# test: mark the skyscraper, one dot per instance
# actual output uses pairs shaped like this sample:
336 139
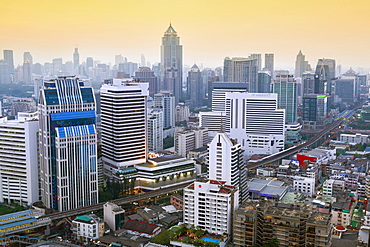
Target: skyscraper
259 60
264 82
67 144
226 163
254 121
27 57
239 69
155 131
171 63
145 74
166 101
8 57
18 159
285 87
308 81
314 110
269 63
324 75
27 75
76 59
4 72
124 124
89 63
301 65
195 86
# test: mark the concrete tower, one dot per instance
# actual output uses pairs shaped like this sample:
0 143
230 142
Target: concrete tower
124 124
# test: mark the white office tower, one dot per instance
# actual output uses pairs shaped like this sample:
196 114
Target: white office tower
226 163
155 131
219 95
166 101
214 121
254 121
67 144
210 206
124 124
19 181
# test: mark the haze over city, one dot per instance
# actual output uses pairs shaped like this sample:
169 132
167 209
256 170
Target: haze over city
209 30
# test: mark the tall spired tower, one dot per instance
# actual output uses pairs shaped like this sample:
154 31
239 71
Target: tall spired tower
171 63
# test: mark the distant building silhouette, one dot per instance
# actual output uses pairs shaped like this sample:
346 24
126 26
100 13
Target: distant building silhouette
171 63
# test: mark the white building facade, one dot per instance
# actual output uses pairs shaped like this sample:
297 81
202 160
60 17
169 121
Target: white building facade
124 124
210 205
18 159
226 163
188 140
155 131
254 121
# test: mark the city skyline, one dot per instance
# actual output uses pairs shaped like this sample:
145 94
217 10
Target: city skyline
209 31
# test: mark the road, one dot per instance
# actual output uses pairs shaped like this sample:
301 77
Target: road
121 201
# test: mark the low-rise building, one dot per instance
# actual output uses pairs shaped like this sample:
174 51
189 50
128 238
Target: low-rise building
141 228
114 215
354 138
177 200
258 188
332 187
304 185
87 227
164 171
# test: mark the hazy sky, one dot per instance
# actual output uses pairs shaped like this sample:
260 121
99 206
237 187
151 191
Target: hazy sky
209 29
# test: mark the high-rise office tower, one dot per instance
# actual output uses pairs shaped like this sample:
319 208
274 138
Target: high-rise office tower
145 74
226 163
239 69
219 90
124 124
76 59
155 130
143 62
345 90
301 65
254 121
128 67
195 86
285 87
57 66
259 60
314 110
8 57
67 144
324 75
19 181
308 81
89 63
27 57
4 72
264 82
166 101
118 59
27 75
171 63
269 63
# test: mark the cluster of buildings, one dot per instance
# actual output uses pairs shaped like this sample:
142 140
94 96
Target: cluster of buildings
78 139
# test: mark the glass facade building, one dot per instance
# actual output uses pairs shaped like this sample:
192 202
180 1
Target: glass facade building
67 144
